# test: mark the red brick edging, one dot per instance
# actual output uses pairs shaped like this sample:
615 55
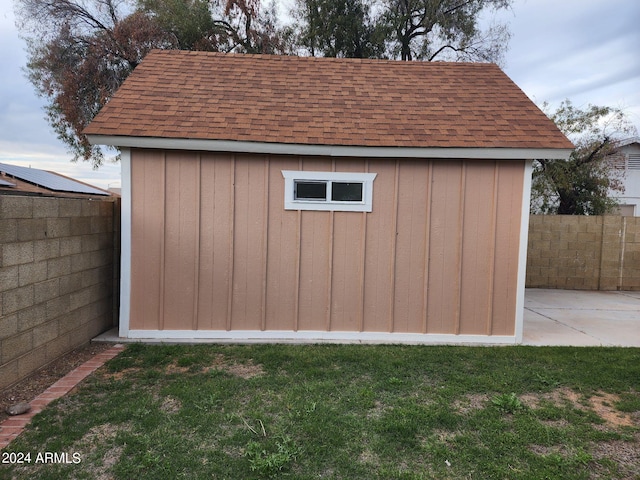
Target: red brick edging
11 427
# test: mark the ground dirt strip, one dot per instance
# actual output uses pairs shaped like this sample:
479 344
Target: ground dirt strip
11 427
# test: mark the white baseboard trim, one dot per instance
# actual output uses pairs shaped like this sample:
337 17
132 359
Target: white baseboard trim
289 336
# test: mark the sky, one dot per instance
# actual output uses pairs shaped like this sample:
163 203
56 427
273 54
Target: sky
586 51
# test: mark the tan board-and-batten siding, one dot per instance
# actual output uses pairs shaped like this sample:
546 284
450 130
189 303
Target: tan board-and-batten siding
213 249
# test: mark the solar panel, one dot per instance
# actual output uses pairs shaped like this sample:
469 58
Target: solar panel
49 180
4 183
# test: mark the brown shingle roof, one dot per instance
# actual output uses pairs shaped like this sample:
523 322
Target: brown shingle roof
324 101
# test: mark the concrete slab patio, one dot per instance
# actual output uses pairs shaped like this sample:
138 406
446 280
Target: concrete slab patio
581 318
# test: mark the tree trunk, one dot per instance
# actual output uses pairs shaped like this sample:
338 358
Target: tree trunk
406 49
567 205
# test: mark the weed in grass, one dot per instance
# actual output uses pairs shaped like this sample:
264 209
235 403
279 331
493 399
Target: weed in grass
271 459
207 403
546 381
508 403
581 458
628 402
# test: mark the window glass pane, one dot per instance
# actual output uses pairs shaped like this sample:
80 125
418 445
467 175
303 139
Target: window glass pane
310 190
346 192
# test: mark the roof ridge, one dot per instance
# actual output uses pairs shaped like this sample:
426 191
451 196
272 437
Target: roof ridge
303 58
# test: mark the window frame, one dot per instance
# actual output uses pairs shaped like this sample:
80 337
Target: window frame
291 203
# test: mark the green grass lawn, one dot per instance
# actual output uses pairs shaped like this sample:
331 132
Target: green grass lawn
345 412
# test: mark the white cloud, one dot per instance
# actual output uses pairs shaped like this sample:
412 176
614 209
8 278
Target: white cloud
583 50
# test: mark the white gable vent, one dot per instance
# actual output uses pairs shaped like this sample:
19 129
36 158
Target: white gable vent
634 161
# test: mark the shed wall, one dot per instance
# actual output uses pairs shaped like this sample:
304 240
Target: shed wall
213 248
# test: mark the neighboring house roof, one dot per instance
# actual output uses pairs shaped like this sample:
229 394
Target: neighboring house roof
16 179
323 101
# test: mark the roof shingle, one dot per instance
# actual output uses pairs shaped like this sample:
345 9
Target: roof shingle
324 101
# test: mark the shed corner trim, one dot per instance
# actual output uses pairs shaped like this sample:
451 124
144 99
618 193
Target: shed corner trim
125 244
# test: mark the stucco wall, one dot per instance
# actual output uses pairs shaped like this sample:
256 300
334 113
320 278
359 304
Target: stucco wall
214 249
56 278
584 252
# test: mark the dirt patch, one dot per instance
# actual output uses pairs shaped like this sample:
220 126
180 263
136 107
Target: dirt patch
243 370
530 400
173 367
170 405
101 436
109 459
470 403
377 411
603 405
625 454
544 450
220 363
32 386
558 396
119 375
233 451
368 457
572 397
443 436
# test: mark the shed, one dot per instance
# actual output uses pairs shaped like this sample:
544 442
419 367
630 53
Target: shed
280 198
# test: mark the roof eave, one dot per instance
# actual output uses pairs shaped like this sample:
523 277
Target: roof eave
330 150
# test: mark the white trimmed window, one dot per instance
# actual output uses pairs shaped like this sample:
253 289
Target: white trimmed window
337 191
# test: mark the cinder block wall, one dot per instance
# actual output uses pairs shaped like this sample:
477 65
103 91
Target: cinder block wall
56 278
584 252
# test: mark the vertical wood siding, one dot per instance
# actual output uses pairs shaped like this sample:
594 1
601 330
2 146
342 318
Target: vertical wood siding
147 240
214 249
